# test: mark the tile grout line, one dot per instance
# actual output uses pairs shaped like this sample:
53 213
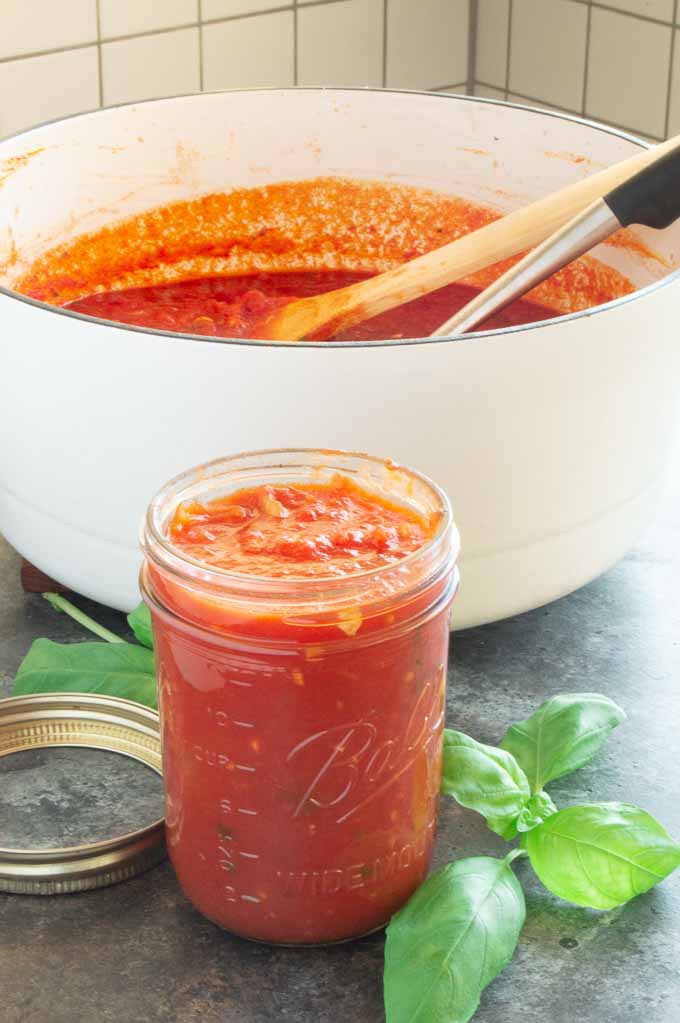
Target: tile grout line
384 45
163 31
96 42
473 19
624 14
589 19
199 14
99 53
671 60
508 49
570 110
296 74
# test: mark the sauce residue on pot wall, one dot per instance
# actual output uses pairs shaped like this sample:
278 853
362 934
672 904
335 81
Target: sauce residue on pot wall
324 223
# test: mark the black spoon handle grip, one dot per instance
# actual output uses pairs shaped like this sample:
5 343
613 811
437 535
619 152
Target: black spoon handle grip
651 197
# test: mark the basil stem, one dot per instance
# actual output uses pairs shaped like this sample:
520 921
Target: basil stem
62 604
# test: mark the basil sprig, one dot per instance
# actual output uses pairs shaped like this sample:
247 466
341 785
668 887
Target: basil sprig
462 926
113 668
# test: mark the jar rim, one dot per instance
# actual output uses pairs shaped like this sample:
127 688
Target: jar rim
156 545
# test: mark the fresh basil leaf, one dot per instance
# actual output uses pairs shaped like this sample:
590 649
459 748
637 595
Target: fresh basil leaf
562 735
139 621
117 669
538 809
601 854
450 940
506 827
484 778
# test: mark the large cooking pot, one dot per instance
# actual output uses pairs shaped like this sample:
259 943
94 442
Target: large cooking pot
551 439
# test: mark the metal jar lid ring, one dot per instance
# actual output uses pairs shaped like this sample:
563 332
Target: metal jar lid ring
95 722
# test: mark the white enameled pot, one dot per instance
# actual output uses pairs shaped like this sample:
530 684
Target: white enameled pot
552 440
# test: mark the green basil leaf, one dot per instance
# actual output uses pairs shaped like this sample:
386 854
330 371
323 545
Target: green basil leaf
450 940
506 827
116 669
538 809
601 854
563 734
139 621
485 779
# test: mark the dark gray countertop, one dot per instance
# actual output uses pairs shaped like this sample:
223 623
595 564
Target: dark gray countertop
138 952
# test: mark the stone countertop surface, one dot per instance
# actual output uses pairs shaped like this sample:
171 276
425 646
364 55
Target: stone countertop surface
138 951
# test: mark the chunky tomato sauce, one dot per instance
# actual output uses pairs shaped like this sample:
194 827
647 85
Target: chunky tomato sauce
302 755
324 529
216 264
238 306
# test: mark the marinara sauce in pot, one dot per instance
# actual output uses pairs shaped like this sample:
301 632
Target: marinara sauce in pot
300 604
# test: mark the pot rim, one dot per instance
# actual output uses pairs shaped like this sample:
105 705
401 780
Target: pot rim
483 335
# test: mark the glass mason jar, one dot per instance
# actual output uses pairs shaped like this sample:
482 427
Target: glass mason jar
301 718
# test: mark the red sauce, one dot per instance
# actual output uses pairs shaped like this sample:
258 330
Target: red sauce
236 306
302 755
329 529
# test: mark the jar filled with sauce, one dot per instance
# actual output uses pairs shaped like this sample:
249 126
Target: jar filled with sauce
300 603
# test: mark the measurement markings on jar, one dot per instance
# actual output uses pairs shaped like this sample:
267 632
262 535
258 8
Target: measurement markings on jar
249 856
232 894
227 807
244 767
221 718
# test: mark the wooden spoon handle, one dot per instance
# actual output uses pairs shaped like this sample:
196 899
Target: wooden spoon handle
322 315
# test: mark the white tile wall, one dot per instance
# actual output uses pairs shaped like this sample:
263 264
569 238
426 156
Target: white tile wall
491 47
609 59
526 102
662 9
129 17
341 43
606 59
628 71
164 64
212 10
488 92
674 111
29 26
427 43
249 52
548 50
44 88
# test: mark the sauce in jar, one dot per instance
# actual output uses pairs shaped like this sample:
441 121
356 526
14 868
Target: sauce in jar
300 604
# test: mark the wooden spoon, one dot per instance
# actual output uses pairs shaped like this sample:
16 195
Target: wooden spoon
651 197
321 316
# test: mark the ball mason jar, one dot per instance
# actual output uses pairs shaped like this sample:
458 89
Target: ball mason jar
301 718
